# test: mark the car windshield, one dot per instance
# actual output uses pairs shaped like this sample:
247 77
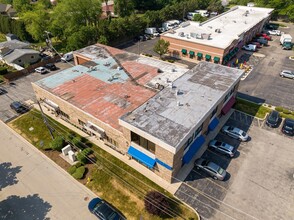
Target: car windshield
290 128
218 143
220 170
103 209
273 116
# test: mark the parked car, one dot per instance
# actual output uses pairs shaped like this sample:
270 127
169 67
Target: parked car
274 32
222 148
273 119
103 210
249 47
258 45
288 127
211 168
51 66
287 73
262 41
287 46
235 132
214 13
41 70
2 91
67 57
18 107
148 37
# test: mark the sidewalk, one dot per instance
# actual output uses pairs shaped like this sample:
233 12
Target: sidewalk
170 187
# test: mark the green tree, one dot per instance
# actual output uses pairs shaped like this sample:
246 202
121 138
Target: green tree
124 7
36 21
21 5
198 17
84 37
215 5
161 47
57 143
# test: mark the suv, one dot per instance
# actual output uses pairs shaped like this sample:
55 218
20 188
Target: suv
222 148
50 66
288 127
19 107
273 119
236 133
211 168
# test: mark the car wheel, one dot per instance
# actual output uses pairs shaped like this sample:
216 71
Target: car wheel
214 177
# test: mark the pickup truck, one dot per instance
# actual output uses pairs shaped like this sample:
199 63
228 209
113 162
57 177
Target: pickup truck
287 46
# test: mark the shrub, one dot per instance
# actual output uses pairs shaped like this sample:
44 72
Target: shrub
279 109
79 174
156 203
72 170
171 61
77 141
87 151
286 111
71 135
57 143
82 158
78 164
3 70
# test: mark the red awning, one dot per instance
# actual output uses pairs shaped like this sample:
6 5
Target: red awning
229 105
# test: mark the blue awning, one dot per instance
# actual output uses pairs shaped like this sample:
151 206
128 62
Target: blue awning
141 157
213 124
164 164
193 149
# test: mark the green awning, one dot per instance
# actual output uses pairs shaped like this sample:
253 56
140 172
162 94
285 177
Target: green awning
216 59
192 53
199 54
184 51
207 57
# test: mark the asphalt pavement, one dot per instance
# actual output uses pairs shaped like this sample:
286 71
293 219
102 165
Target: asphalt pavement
34 187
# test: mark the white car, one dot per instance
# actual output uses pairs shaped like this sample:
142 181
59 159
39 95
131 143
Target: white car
41 70
287 73
274 32
249 47
235 132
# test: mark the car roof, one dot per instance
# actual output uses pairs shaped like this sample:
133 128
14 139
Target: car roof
289 121
213 166
16 104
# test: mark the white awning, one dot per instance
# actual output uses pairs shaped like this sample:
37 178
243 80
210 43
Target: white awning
51 104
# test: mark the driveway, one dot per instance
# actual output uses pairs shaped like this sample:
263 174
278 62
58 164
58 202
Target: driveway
21 90
260 183
34 187
264 81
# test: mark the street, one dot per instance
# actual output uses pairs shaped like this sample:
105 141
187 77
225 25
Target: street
34 187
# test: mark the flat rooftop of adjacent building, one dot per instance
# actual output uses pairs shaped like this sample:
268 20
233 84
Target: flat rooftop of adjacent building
111 84
173 112
222 30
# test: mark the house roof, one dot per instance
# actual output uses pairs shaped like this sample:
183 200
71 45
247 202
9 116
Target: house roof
4 7
15 44
18 53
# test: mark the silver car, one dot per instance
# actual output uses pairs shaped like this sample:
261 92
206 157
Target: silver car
287 73
222 148
211 168
236 133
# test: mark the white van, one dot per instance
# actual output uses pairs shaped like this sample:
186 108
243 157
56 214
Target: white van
67 57
249 47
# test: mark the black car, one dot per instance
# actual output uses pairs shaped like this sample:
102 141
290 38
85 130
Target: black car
104 210
273 119
51 66
288 127
19 107
2 91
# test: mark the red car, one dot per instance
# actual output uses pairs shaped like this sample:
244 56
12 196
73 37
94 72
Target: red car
265 36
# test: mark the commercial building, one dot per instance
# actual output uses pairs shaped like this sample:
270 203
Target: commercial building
152 111
219 38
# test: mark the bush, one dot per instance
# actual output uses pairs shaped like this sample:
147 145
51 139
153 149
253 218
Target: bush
72 170
171 61
156 203
87 151
77 141
79 174
78 164
279 109
57 143
286 111
71 135
3 70
82 158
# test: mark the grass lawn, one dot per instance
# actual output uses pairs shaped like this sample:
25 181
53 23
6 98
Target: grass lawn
251 108
109 178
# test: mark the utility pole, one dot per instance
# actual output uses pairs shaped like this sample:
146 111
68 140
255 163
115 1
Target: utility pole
45 120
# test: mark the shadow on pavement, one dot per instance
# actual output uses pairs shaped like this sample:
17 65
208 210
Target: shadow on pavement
30 207
250 98
8 174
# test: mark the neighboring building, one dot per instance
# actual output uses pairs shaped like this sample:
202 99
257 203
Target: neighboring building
22 57
108 8
18 52
156 112
7 9
219 38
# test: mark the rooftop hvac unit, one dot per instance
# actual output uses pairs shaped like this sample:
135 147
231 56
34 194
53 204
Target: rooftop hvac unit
181 34
217 30
193 34
199 36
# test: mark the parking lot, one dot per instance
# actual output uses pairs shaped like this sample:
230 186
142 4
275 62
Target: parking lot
21 90
264 80
260 181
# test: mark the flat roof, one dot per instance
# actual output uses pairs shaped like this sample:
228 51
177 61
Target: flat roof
111 84
230 24
171 114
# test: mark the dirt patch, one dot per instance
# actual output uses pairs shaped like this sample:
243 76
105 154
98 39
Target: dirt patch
54 155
